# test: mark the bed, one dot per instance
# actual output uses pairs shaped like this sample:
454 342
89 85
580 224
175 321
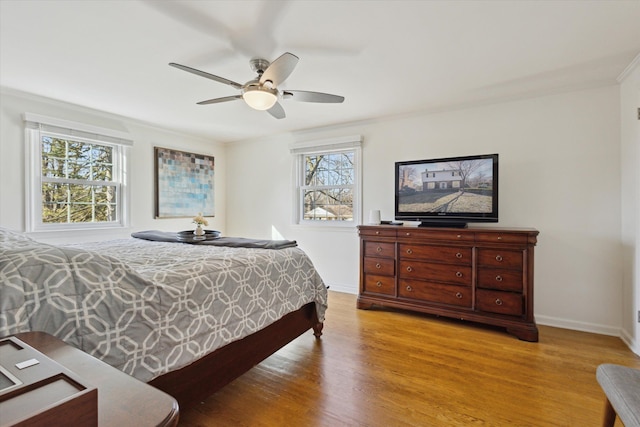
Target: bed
186 318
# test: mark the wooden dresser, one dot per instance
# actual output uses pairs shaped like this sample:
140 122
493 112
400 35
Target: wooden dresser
479 274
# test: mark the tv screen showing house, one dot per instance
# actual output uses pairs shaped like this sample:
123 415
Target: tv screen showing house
447 187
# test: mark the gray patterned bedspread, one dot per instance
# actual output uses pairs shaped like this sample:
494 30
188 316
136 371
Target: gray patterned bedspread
148 308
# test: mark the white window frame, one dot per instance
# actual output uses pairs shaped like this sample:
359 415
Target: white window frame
327 146
36 126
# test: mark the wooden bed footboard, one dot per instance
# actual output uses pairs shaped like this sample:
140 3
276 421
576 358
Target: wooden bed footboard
205 376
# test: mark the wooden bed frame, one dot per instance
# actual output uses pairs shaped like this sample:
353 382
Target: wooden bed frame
200 379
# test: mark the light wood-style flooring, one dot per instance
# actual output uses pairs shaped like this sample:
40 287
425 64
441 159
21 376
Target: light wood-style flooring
392 368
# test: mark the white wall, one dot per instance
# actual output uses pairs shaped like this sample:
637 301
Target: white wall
12 187
559 172
560 163
260 178
630 188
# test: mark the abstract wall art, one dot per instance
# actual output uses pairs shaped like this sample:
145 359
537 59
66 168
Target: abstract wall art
183 184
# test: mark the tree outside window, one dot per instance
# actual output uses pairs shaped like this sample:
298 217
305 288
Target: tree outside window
77 181
328 190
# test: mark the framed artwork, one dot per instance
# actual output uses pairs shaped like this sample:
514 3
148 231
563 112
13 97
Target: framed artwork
184 184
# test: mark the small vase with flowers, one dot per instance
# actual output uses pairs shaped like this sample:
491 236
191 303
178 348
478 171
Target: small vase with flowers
199 221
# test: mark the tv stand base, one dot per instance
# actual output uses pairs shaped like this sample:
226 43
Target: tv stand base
443 224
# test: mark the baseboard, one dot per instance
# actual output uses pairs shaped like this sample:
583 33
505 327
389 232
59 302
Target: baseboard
628 339
346 289
578 326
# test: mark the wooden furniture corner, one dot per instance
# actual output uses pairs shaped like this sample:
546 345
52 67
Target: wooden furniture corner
122 399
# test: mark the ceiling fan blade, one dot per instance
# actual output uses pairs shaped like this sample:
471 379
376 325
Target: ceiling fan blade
247 42
306 96
277 111
280 69
219 100
207 75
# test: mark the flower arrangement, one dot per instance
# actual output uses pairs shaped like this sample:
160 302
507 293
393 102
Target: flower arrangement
200 220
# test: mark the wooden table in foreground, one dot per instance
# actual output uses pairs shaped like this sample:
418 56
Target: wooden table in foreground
122 399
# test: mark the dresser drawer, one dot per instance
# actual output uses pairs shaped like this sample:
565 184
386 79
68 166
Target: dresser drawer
435 292
500 258
379 284
501 237
454 274
505 280
448 254
379 266
499 302
377 232
379 249
430 234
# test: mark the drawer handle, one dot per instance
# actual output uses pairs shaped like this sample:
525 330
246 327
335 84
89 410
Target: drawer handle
409 269
498 278
459 236
499 258
458 274
459 255
409 288
498 301
499 237
377 232
378 265
458 295
407 234
379 249
409 251
379 284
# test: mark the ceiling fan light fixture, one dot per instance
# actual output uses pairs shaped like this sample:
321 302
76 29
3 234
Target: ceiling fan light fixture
260 97
262 92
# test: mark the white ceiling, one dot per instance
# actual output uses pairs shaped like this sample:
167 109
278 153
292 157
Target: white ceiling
385 57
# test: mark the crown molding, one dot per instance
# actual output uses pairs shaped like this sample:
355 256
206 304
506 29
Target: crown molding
635 63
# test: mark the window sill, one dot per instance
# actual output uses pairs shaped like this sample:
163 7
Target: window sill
342 228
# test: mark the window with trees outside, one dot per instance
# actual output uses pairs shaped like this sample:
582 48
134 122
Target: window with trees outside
76 178
328 184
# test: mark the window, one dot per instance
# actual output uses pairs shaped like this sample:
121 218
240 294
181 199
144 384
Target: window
328 182
76 175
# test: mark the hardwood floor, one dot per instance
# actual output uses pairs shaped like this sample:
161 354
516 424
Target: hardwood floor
391 368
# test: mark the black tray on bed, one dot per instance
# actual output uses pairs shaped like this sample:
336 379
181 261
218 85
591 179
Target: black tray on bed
188 236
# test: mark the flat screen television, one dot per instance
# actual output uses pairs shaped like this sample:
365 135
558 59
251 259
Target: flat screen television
447 192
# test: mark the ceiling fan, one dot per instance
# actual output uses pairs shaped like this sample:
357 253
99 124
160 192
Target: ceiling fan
262 93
